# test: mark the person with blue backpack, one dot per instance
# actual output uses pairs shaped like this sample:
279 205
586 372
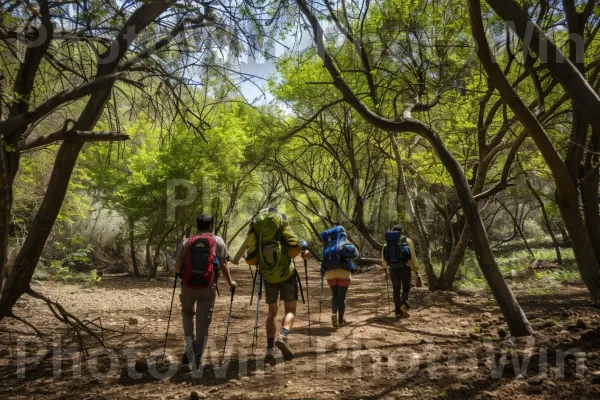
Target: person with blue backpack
337 267
399 256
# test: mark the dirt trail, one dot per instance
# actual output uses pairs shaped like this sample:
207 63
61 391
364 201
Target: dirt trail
447 349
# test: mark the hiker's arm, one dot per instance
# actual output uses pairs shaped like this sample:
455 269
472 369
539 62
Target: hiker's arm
178 267
414 264
227 272
383 262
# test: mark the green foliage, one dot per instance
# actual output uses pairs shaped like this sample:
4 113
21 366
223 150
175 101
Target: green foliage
59 272
92 279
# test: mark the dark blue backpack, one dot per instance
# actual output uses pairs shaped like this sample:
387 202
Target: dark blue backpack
337 251
397 252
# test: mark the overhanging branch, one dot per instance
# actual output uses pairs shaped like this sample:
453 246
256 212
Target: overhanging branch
73 136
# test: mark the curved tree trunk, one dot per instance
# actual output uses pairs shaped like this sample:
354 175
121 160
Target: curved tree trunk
136 270
456 257
515 318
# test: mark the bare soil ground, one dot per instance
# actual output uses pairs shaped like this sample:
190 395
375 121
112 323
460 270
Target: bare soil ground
449 348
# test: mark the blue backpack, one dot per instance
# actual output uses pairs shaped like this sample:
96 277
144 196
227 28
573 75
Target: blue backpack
337 251
397 252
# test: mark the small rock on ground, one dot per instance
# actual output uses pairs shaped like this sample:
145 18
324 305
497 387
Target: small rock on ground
535 381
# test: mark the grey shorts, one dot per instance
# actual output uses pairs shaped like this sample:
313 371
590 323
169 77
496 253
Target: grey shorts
287 290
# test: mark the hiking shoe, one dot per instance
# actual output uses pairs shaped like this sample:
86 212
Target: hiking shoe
398 315
344 323
404 311
270 353
184 359
334 321
283 345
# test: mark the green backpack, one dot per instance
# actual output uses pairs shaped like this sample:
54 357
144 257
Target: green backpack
274 264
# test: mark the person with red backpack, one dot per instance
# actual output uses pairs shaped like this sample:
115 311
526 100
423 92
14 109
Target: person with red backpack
198 262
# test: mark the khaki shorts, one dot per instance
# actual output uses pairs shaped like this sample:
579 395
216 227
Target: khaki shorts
287 290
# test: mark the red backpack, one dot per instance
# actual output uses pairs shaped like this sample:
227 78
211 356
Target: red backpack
198 263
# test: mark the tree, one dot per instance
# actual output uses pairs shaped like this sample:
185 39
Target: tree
515 317
108 49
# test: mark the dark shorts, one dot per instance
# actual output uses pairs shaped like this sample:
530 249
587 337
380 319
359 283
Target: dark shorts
287 290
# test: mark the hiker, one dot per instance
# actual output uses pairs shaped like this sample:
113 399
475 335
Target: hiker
337 267
399 256
198 262
272 246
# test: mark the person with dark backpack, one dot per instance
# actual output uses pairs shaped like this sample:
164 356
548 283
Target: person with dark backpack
199 260
337 267
399 256
272 246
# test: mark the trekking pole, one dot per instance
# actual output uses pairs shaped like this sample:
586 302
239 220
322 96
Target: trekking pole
228 320
321 300
308 298
258 297
254 275
170 312
387 285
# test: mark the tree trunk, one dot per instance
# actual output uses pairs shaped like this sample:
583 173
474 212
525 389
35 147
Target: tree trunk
566 192
10 154
456 257
517 225
546 218
134 264
150 266
589 192
159 245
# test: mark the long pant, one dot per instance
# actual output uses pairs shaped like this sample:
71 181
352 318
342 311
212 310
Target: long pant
338 301
198 303
401 277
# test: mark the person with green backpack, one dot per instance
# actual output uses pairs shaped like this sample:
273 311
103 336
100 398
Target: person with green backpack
399 256
272 246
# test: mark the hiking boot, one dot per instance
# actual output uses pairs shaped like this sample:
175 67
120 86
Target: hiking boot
404 311
334 321
270 353
344 323
184 359
398 315
283 345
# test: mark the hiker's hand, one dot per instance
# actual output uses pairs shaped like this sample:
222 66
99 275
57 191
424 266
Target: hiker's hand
306 254
303 244
233 284
178 274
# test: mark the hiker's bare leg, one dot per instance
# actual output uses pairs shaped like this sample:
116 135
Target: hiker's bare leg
272 320
290 314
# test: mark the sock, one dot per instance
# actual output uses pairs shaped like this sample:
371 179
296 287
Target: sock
270 343
284 332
